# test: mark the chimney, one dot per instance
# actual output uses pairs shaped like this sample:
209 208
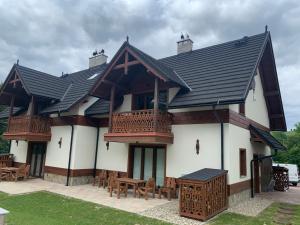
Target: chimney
98 58
185 44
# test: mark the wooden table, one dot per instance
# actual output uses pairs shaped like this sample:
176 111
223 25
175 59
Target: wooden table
129 181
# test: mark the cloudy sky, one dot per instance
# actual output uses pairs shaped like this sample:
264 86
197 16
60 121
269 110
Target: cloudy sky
58 36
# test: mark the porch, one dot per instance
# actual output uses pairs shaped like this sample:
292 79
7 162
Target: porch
29 128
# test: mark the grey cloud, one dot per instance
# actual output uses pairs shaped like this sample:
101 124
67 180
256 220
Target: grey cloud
56 36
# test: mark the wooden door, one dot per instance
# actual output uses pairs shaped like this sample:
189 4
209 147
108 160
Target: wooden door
36 158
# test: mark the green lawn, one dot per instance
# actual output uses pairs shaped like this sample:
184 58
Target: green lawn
264 218
43 208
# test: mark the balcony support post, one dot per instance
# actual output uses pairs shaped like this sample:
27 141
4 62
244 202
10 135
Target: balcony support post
111 106
30 112
156 99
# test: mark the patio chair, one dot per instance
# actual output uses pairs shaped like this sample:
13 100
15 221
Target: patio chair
5 175
149 188
103 179
22 172
169 188
113 187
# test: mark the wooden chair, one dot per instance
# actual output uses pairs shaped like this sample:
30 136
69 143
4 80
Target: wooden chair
101 179
5 175
149 188
22 172
113 187
168 188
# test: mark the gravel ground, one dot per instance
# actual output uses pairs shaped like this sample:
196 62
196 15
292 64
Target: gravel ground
169 212
251 207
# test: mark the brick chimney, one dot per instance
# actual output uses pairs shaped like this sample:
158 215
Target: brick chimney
185 44
98 58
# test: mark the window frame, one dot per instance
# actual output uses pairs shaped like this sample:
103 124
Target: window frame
243 162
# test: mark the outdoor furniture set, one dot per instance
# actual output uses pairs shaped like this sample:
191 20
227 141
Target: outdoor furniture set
14 173
119 185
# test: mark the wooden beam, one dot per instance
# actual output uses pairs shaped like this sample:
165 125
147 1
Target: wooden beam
126 63
12 103
275 116
14 81
131 63
271 93
156 99
113 84
111 107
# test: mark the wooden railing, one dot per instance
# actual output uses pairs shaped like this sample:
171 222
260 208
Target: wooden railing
141 121
32 124
6 160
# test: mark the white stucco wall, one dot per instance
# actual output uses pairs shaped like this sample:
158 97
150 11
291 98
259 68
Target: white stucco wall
255 106
181 155
55 156
115 158
84 147
240 138
126 105
19 151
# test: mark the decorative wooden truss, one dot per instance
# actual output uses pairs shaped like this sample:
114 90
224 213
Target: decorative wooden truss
29 128
141 126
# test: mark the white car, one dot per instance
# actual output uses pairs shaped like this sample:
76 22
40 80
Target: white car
293 172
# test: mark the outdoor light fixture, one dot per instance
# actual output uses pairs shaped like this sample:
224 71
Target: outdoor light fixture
107 146
197 146
60 142
17 142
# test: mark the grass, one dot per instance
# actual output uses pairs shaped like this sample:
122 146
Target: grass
264 218
52 209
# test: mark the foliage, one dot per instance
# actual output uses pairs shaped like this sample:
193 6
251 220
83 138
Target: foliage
291 140
4 144
48 209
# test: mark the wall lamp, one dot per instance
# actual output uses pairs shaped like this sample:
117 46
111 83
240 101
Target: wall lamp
107 146
197 146
60 142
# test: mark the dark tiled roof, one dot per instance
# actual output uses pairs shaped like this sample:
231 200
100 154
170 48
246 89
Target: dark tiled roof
78 87
99 107
267 138
204 174
221 72
4 114
41 84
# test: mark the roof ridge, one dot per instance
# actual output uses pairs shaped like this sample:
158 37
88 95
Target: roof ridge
207 47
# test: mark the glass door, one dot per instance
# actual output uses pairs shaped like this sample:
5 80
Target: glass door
148 162
37 159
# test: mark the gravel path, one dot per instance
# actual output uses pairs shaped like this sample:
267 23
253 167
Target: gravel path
169 212
251 207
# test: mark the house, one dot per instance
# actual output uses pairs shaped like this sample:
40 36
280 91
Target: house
144 117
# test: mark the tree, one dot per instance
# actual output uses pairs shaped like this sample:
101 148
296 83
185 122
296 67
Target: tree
291 140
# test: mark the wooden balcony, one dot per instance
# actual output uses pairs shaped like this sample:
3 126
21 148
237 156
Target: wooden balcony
28 128
141 126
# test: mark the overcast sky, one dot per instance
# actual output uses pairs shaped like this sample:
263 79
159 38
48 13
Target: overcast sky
55 36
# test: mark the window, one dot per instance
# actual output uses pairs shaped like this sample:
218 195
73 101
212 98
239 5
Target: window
242 109
243 162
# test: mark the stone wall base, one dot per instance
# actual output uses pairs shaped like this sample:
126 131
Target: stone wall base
239 197
72 180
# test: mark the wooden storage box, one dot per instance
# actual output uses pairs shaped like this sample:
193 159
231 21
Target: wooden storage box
203 194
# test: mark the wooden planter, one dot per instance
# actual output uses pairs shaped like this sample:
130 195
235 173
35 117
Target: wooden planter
203 194
281 178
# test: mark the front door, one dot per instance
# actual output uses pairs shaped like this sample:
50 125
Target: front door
147 162
36 158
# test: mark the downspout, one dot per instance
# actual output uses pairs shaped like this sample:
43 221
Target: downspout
222 133
70 155
96 153
251 169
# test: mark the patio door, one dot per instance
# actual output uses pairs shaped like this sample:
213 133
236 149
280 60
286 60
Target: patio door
36 158
147 162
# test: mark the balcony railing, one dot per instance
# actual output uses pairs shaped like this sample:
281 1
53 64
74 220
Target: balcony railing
31 128
141 121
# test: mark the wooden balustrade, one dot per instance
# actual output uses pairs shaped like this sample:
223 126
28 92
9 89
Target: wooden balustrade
141 126
141 121
31 128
